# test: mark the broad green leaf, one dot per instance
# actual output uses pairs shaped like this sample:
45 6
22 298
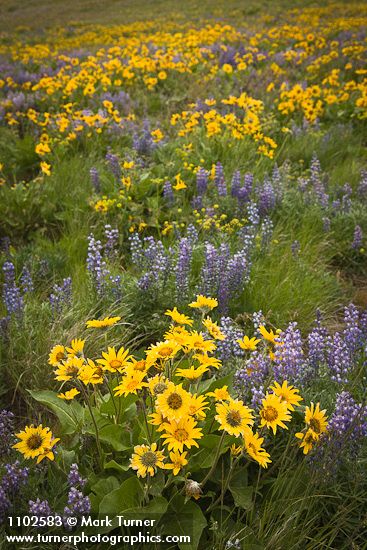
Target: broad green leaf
214 384
113 465
116 436
70 415
105 485
184 518
157 505
241 491
128 495
205 457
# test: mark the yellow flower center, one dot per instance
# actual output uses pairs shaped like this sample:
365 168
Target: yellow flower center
181 434
165 351
140 365
233 418
149 459
34 442
315 425
60 355
174 401
115 363
270 414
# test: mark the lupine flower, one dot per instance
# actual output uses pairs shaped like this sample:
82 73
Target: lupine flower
114 165
317 183
201 181
353 334
229 348
219 180
39 508
12 297
61 297
357 238
339 359
6 432
112 237
236 183
74 477
14 477
251 380
95 179
267 198
26 281
289 360
362 187
346 432
168 193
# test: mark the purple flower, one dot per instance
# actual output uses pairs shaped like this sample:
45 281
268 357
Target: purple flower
95 179
317 182
228 348
219 180
267 198
201 181
362 187
236 184
112 238
114 165
39 508
168 193
357 238
14 477
353 334
12 297
6 432
252 380
61 297
26 281
74 477
289 361
78 505
339 359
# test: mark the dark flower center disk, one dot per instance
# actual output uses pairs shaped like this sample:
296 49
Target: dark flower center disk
174 401
181 434
315 425
270 414
159 388
233 418
34 442
149 459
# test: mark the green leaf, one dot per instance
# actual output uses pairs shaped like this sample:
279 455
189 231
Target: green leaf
157 505
205 457
214 384
116 436
105 485
157 484
128 495
241 491
70 415
184 518
113 465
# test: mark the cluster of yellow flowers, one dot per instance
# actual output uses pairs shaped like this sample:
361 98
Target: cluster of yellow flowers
171 382
243 120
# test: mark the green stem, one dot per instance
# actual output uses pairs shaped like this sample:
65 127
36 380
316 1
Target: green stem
86 397
215 461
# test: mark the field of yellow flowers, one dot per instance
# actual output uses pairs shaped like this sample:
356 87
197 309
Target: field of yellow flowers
183 312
